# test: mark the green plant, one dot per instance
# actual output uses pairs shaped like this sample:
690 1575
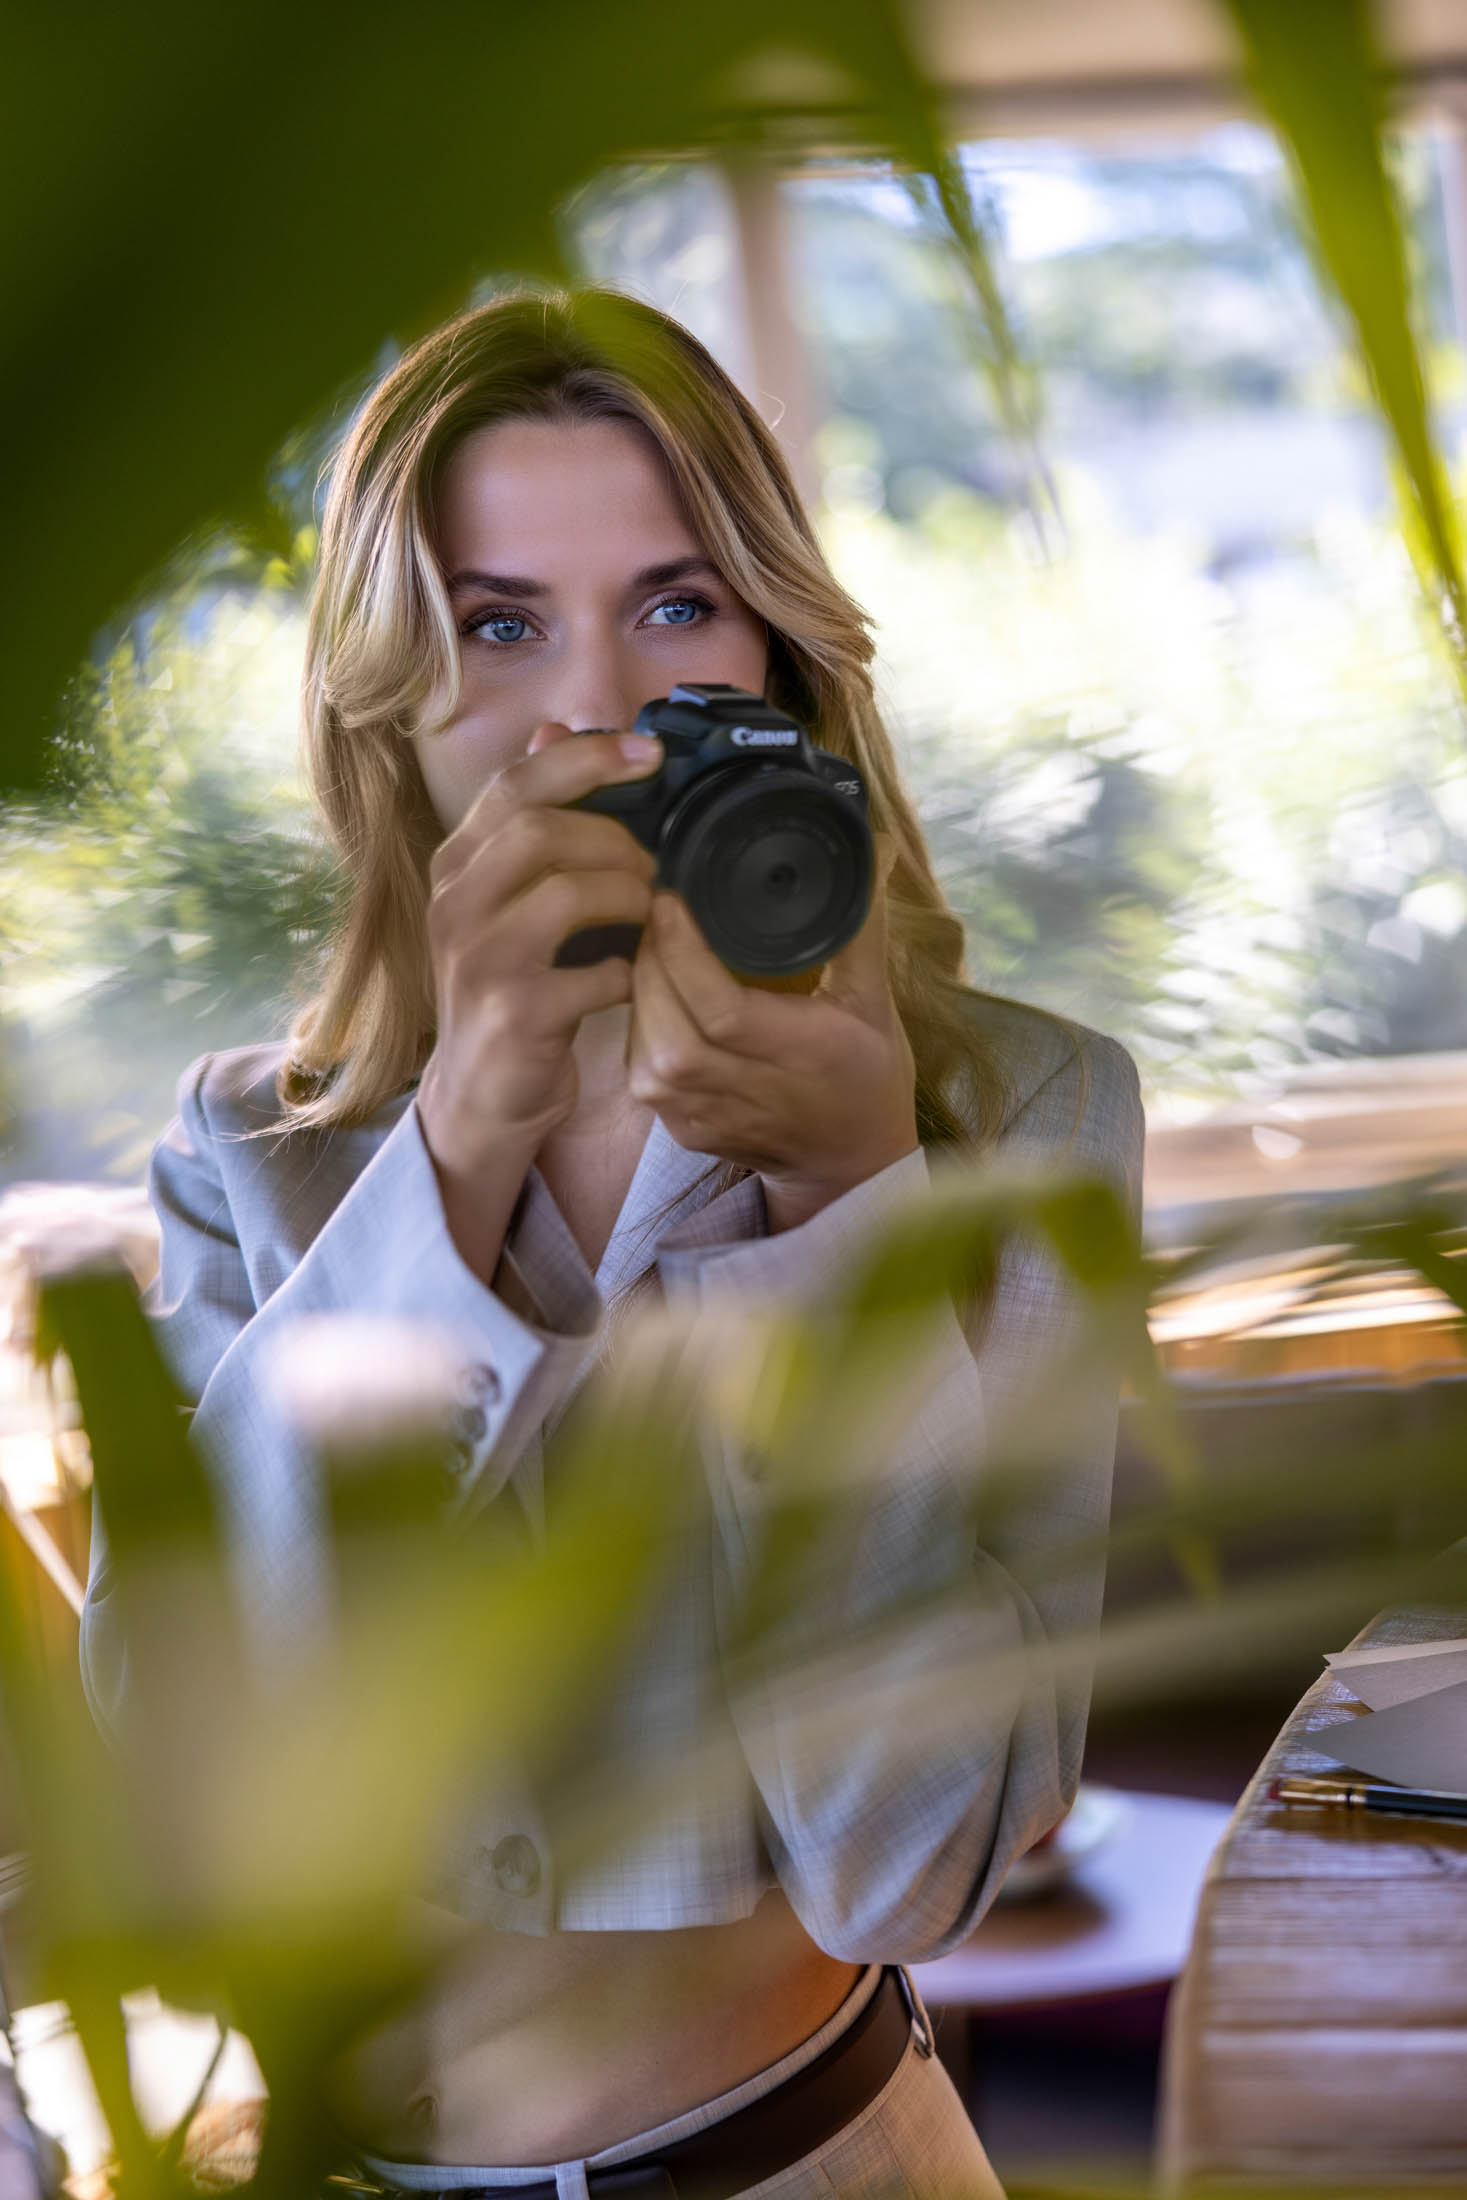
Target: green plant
262 1864
1318 72
244 205
149 387
175 310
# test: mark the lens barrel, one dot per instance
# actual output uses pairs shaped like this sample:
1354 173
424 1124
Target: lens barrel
776 869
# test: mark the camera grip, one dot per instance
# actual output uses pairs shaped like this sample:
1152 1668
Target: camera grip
593 943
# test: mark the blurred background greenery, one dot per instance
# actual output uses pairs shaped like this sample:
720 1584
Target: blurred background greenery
1196 775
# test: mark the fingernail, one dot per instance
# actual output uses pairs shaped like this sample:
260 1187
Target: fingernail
638 747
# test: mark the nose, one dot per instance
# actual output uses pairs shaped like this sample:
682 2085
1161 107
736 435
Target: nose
601 684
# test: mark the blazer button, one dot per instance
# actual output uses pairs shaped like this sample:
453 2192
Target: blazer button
458 1459
473 1422
481 1382
515 1865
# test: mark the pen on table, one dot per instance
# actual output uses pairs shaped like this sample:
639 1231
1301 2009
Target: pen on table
1298 1787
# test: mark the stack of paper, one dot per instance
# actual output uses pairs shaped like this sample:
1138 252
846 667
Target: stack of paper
1416 1730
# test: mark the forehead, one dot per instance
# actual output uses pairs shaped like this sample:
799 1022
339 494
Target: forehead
526 496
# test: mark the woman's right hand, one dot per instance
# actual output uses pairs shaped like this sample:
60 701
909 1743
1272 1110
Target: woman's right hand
509 884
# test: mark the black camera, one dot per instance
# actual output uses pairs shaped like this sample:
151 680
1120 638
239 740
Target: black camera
763 835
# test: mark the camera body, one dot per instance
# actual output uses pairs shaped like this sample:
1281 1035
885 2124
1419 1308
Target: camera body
763 835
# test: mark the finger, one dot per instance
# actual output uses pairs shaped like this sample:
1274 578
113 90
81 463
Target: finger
535 843
500 829
562 769
665 1046
560 766
731 1016
574 993
537 923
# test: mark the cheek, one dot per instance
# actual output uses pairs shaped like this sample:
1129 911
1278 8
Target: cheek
459 760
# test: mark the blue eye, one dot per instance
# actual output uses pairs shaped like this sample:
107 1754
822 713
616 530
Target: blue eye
493 626
689 609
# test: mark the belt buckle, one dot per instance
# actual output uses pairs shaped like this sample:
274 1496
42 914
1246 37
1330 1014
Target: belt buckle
926 2038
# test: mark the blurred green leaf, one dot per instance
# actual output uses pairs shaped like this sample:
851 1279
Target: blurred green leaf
215 219
1011 377
151 1486
257 1853
256 1844
1317 72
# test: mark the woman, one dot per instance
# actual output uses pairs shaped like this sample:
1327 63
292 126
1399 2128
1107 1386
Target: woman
549 513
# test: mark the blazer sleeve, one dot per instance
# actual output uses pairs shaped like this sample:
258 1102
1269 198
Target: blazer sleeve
902 1767
225 1292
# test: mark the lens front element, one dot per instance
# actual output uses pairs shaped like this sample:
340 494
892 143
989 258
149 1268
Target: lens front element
775 868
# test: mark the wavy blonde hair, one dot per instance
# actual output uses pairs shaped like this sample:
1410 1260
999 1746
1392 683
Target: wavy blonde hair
383 662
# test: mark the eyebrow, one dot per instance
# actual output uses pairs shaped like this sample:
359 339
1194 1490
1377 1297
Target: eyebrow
518 584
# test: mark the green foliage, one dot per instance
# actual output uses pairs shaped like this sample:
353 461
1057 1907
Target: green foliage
1384 952
277 220
989 340
133 443
1194 295
1316 71
1173 808
288 190
181 894
1197 293
255 1848
1158 804
263 1864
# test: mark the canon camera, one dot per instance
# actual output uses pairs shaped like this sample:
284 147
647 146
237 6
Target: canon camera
762 834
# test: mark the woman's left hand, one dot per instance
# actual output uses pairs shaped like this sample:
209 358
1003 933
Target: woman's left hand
815 1092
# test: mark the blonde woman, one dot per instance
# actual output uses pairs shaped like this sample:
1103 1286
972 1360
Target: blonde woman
552 511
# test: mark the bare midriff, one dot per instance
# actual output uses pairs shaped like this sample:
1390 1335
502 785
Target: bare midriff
523 2050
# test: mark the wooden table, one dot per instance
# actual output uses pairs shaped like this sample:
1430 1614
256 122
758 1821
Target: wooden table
1318 2038
1120 1924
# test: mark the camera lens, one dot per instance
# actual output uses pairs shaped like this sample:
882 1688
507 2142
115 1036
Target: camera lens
776 870
781 879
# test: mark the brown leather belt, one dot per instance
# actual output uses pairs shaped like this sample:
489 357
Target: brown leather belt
742 2149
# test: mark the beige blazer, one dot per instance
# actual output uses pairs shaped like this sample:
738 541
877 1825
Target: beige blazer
889 1829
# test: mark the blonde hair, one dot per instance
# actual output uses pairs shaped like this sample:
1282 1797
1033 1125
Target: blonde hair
382 662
